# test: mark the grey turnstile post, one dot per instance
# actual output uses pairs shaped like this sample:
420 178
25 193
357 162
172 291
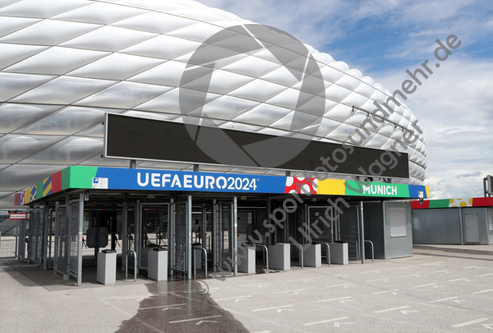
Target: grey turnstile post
158 264
107 267
199 251
280 256
339 253
313 256
247 260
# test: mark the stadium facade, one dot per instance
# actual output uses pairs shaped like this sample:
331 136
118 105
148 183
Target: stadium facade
64 64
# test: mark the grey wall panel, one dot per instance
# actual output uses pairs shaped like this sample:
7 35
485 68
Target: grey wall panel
483 224
374 229
436 226
398 222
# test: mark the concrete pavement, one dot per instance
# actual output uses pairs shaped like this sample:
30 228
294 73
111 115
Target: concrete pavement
439 289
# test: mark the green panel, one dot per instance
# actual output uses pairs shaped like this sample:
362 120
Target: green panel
66 178
439 203
377 189
81 177
39 192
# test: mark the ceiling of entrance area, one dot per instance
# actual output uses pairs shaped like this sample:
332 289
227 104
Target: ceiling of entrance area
65 63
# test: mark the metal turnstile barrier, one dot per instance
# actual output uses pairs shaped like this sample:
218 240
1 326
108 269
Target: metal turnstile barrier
59 261
266 256
204 259
135 264
372 250
300 248
9 237
180 238
328 251
154 225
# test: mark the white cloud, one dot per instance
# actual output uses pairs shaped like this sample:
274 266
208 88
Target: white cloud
454 106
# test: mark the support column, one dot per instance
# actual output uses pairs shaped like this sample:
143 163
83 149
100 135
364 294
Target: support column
362 233
306 222
332 225
171 237
44 239
68 216
214 235
461 226
79 239
16 240
113 222
234 232
189 237
124 234
138 232
268 241
57 226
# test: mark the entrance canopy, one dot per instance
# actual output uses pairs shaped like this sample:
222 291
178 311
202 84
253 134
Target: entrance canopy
81 177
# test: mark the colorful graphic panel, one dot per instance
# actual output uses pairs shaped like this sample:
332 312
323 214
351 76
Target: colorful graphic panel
78 177
453 203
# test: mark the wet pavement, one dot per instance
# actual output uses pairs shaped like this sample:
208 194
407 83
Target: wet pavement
180 306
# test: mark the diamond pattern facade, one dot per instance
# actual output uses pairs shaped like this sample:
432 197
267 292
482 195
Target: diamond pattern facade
65 63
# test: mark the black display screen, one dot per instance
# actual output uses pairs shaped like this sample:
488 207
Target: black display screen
149 139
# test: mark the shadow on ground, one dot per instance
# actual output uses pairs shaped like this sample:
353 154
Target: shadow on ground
180 306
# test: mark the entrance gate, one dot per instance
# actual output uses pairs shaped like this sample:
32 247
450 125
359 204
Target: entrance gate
68 238
224 236
320 219
180 245
9 236
154 222
350 231
170 224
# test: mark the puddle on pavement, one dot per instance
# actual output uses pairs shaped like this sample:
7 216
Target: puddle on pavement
180 306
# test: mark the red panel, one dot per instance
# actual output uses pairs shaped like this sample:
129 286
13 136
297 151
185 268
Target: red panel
482 202
299 184
416 205
56 182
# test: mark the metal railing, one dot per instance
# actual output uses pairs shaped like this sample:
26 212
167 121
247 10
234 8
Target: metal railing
204 251
135 264
357 249
301 253
328 251
266 256
372 250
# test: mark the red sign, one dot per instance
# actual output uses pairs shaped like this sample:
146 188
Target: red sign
18 216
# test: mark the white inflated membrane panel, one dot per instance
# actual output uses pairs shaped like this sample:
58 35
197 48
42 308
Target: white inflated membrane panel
65 63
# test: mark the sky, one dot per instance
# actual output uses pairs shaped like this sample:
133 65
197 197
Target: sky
384 38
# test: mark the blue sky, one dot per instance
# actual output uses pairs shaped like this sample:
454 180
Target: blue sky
383 38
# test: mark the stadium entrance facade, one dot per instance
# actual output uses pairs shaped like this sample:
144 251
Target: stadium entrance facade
208 221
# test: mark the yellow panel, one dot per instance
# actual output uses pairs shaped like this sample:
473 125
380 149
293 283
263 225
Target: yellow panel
428 192
331 186
27 196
